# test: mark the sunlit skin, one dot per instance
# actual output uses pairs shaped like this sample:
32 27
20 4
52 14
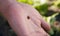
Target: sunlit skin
24 20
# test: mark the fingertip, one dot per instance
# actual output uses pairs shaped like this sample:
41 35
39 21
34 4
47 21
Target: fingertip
46 26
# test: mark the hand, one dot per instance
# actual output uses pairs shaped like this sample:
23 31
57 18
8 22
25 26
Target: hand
36 24
25 20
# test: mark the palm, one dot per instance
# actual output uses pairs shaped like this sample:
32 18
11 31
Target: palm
25 20
32 23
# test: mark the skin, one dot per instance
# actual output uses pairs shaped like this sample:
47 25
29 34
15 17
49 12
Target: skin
24 20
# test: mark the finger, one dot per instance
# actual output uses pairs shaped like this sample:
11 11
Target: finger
45 25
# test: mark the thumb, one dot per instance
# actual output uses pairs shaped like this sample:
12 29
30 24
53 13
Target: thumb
45 25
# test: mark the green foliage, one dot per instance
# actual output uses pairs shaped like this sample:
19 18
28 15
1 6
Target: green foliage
58 5
51 32
43 9
26 1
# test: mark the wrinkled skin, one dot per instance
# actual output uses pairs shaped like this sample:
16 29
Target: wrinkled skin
24 19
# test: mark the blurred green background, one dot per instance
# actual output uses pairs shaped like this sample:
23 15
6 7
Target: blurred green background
49 9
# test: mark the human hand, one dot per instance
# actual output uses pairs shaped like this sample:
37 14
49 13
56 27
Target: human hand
25 20
35 21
